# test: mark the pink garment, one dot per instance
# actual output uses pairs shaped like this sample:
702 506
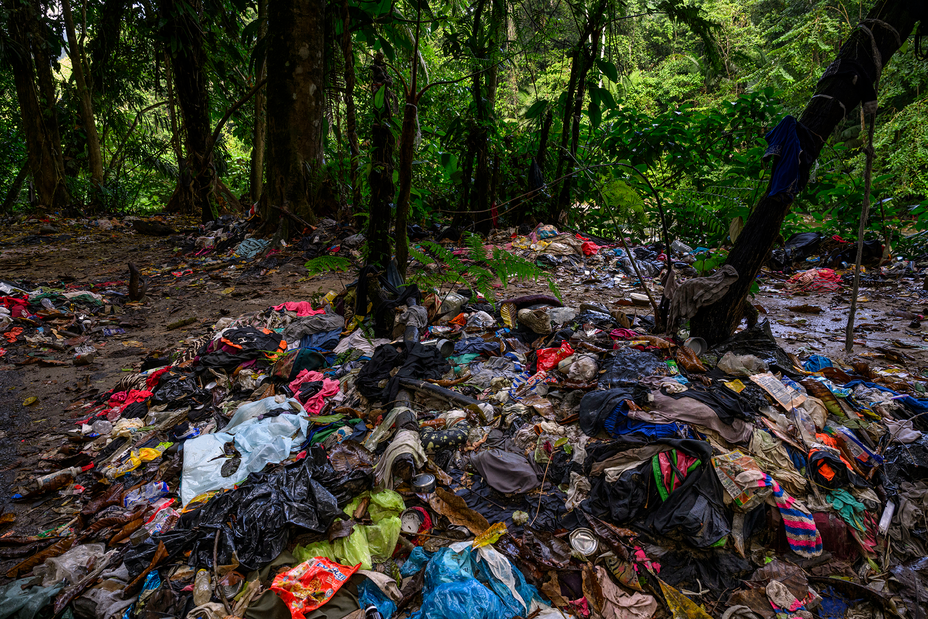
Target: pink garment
315 403
125 398
302 308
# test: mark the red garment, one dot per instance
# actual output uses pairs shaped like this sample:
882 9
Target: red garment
589 248
155 377
125 398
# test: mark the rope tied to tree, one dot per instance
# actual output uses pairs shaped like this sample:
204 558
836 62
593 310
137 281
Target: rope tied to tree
843 109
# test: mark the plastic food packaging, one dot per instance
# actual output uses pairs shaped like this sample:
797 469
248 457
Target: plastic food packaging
145 494
548 358
309 585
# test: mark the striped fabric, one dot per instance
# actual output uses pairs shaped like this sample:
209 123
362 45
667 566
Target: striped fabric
801 532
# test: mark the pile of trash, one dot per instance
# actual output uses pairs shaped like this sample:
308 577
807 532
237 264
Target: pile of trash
395 452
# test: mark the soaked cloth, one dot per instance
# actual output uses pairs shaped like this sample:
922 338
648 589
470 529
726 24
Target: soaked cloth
315 402
405 442
302 308
913 404
902 430
727 405
773 458
627 459
505 472
619 423
22 603
699 292
693 512
360 342
801 533
670 469
818 280
621 605
419 362
596 406
850 509
789 143
312 324
688 410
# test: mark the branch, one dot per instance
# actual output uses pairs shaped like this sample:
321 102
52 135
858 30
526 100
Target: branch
138 116
215 137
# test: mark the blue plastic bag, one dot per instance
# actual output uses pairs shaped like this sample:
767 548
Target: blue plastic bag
370 594
465 599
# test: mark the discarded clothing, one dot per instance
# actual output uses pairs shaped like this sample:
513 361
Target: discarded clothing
505 472
302 308
699 292
789 143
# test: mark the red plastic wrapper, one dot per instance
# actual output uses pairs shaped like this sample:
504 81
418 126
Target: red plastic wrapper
548 358
590 248
309 585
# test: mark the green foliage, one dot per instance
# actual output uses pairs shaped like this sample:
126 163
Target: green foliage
441 269
327 264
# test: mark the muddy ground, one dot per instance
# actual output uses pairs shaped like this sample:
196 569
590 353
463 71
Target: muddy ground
84 256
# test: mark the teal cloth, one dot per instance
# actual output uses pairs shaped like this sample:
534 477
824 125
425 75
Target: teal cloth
850 509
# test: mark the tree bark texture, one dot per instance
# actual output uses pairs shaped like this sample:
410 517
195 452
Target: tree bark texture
40 120
94 156
885 29
381 174
259 135
195 185
295 106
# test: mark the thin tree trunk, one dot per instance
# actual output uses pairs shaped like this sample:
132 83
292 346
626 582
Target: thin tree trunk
381 174
172 115
13 192
890 22
40 128
351 128
95 158
407 152
260 126
295 107
479 134
195 186
563 201
562 158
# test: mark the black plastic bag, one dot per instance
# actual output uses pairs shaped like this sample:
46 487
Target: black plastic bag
262 511
799 247
628 366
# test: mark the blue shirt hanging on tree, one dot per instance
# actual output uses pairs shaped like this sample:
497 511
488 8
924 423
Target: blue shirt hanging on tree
789 142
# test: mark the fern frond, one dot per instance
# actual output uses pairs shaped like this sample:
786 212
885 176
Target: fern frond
478 252
326 264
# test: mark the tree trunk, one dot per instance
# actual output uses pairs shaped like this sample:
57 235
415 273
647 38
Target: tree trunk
197 180
479 133
95 158
172 115
586 57
381 174
295 107
40 121
562 158
836 96
15 188
351 128
260 127
407 152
